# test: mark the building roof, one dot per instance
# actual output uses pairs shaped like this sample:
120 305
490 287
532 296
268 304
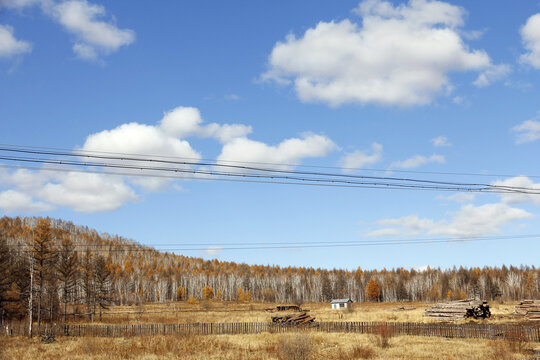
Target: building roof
339 301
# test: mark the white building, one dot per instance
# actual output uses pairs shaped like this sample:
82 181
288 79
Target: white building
342 304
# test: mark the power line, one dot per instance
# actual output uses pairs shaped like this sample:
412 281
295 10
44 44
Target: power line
302 246
269 174
294 243
82 152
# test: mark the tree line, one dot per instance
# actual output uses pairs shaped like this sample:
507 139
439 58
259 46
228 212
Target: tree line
53 270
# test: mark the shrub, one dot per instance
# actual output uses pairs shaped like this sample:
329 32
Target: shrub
516 341
362 352
294 347
192 300
357 352
500 351
383 333
206 305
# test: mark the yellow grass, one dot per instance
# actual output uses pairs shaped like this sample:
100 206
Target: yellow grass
217 311
264 346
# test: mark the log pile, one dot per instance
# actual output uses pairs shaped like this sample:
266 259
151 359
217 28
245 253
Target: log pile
285 308
458 310
530 309
293 319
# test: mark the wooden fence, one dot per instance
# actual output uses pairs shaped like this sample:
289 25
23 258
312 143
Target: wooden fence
483 331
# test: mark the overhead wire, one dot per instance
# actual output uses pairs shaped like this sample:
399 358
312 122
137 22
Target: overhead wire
82 151
250 246
268 174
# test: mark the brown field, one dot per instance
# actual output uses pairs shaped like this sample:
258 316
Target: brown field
214 311
316 346
292 346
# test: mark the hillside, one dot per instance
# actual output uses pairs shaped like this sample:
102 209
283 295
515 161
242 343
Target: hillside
77 268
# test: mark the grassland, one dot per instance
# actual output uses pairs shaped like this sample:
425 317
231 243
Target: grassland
266 346
214 311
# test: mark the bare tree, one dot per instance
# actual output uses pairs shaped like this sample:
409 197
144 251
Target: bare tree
66 271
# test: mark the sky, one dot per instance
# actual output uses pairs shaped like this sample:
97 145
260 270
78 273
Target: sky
419 89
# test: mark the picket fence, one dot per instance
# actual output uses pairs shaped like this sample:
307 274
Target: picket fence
481 331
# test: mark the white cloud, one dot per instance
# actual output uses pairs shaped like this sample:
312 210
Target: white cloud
15 201
459 197
9 45
187 121
519 198
359 158
289 151
92 192
213 250
527 131
94 37
397 55
530 35
88 192
469 220
422 268
492 74
18 4
417 161
440 141
137 138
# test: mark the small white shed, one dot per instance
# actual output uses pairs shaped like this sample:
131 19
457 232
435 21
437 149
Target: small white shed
342 304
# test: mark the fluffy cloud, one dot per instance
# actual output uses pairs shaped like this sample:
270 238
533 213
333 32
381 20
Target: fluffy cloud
530 35
398 55
38 191
88 192
9 45
137 138
15 201
43 190
469 220
187 121
527 131
289 151
520 198
440 141
492 74
359 158
418 160
94 37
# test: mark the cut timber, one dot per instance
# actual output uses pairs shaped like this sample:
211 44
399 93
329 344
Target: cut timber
288 308
530 309
293 319
460 309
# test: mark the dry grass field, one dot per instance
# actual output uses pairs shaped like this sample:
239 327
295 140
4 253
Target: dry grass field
266 346
214 311
316 346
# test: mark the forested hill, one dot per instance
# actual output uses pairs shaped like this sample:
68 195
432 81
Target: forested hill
75 265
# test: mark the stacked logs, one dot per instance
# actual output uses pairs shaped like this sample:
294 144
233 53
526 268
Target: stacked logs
458 310
293 319
530 309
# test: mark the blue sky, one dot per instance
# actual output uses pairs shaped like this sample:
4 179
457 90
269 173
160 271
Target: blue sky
397 86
